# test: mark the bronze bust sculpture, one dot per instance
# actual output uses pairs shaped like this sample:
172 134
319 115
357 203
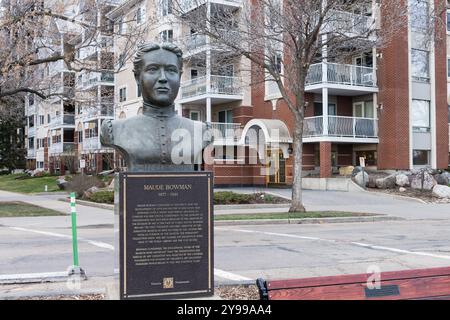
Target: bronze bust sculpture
159 139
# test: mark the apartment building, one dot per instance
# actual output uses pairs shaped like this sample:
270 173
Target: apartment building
64 129
387 106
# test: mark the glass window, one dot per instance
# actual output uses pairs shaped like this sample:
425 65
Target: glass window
448 20
421 157
421 115
368 109
448 68
226 116
419 14
195 115
420 65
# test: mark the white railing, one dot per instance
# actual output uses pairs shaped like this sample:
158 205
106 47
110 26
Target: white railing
345 74
91 144
218 85
348 22
226 131
67 119
339 126
58 148
188 5
103 110
31 153
31 131
195 41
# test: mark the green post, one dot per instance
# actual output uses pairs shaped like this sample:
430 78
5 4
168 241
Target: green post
74 230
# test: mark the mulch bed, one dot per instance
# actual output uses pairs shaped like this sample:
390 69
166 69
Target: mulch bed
225 292
424 195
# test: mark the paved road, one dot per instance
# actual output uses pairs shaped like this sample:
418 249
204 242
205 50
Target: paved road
30 245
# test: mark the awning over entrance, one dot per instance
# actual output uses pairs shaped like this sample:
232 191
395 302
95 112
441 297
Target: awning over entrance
275 133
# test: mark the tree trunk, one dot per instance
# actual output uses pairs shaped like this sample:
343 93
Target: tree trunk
297 199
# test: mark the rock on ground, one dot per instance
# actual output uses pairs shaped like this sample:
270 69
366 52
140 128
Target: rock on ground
428 181
402 180
386 183
441 191
361 179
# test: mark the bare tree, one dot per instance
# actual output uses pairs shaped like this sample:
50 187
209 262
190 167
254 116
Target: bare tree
38 35
284 38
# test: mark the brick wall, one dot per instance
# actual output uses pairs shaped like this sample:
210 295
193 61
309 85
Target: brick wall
393 81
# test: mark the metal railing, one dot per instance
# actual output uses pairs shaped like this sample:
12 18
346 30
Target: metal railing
188 5
226 131
61 147
67 119
346 74
91 143
339 126
218 85
348 22
31 153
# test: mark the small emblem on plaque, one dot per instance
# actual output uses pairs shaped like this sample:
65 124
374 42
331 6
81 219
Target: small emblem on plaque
168 283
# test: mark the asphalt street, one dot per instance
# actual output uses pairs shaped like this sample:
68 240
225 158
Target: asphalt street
244 253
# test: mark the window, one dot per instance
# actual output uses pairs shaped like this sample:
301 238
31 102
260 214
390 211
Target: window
421 115
448 20
80 136
31 121
31 100
318 111
194 115
448 67
122 26
421 157
40 164
363 109
30 143
419 14
41 120
48 118
166 36
420 65
139 17
122 94
226 116
166 7
139 91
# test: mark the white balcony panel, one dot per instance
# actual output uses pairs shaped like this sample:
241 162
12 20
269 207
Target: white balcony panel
91 144
344 129
221 88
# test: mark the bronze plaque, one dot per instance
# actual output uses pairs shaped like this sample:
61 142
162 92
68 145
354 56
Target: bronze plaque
166 235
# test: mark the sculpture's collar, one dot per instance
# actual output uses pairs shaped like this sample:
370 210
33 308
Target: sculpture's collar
158 112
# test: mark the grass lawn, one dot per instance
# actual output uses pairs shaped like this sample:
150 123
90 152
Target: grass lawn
21 209
31 185
285 215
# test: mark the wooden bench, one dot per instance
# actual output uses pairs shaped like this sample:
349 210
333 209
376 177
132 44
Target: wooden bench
423 284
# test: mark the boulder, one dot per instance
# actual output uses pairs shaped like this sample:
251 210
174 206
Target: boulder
346 171
402 180
428 181
441 191
89 192
401 189
356 170
386 183
442 178
62 183
372 182
361 179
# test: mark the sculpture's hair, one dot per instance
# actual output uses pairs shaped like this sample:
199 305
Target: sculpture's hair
151 46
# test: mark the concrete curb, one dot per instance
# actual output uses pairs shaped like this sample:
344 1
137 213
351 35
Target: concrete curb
34 294
34 278
308 221
395 196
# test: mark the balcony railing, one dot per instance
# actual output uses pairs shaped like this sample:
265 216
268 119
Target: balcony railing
344 74
195 41
348 22
67 119
31 153
91 144
226 131
94 79
58 148
218 85
102 110
339 126
188 5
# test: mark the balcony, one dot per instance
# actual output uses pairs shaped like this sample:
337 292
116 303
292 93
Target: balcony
348 22
95 79
220 89
103 110
61 121
189 5
341 79
196 43
58 148
226 133
340 129
90 144
31 131
31 153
